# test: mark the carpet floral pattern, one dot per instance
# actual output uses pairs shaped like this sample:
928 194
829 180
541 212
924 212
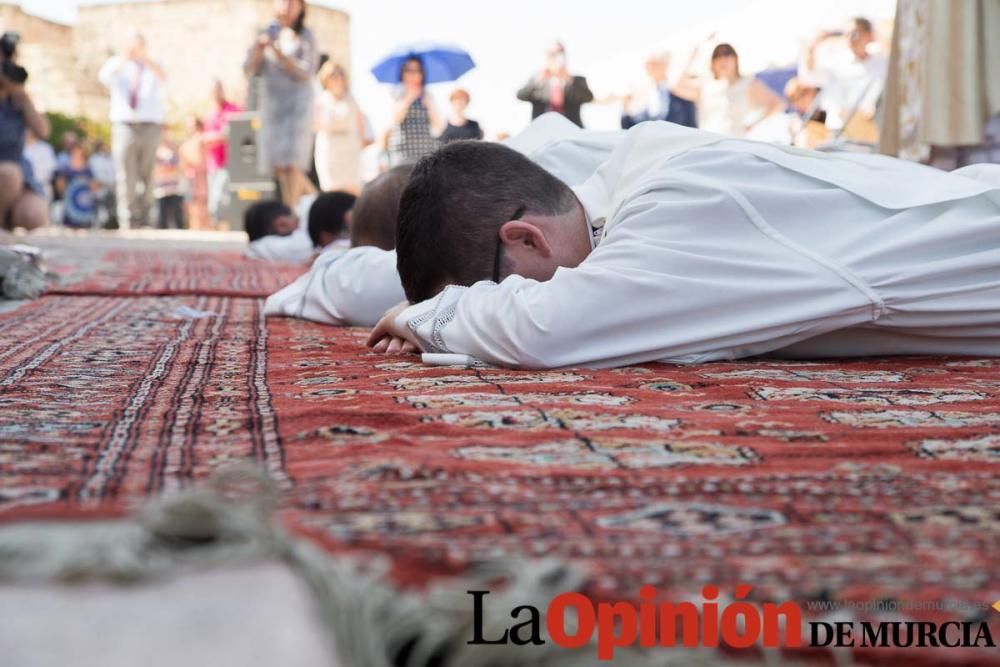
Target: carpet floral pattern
858 481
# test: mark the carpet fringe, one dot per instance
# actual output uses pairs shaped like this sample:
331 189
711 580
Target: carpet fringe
370 622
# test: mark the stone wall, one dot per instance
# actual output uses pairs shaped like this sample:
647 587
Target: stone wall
46 50
195 41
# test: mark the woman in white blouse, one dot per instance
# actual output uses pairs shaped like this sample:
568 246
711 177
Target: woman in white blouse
729 103
340 132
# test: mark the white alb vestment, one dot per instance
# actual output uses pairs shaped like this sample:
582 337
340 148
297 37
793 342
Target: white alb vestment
357 287
718 249
351 288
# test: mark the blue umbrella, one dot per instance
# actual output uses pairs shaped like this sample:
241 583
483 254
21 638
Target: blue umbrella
776 78
442 62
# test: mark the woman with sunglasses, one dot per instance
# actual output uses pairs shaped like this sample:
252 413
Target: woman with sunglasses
415 121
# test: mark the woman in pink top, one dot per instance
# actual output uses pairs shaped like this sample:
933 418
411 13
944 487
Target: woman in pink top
214 140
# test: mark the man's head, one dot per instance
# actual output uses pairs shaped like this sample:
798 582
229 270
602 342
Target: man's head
657 65
329 215
268 217
459 99
555 57
373 219
476 211
134 45
860 36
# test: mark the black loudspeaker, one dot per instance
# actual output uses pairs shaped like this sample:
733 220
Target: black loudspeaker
242 152
246 184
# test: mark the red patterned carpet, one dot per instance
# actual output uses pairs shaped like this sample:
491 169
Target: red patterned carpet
858 481
155 272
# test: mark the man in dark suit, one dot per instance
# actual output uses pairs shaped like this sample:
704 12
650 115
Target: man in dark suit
656 101
554 89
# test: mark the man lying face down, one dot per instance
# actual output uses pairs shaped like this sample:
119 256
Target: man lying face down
686 246
267 218
357 288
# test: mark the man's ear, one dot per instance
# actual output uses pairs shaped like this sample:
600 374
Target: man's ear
514 233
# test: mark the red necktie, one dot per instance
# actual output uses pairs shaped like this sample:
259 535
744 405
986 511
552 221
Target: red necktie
133 92
556 94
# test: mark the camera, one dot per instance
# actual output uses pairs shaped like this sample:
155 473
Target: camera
8 68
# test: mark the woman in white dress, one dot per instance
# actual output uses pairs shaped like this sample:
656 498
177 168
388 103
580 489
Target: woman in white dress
284 55
340 132
729 103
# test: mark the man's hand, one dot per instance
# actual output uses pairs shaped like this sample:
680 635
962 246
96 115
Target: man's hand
390 338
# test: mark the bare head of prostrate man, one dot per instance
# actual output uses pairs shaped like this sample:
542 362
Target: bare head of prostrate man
476 211
708 249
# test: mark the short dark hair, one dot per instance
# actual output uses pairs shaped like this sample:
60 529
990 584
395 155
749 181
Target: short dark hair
863 25
452 209
259 219
328 214
373 222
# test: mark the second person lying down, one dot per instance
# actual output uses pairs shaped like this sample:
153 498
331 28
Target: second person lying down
355 288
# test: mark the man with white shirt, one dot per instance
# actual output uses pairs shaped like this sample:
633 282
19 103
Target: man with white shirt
852 79
135 84
357 287
686 246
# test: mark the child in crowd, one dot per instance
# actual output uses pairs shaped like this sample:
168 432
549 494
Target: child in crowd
460 127
76 186
167 184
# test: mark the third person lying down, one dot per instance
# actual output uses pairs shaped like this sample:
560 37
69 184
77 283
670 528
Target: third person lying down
357 287
686 246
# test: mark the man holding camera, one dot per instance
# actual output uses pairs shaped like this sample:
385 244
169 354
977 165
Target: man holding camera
21 201
137 111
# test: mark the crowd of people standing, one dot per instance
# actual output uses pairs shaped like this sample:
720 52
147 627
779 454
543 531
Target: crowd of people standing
313 130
